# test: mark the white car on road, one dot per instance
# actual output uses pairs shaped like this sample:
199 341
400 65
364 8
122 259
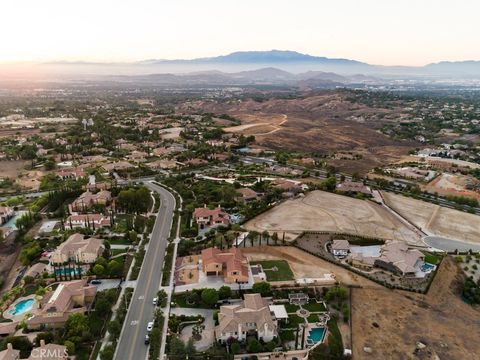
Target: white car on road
150 326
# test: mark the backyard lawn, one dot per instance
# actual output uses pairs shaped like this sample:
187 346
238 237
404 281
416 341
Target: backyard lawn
431 259
313 306
282 270
291 308
118 251
294 320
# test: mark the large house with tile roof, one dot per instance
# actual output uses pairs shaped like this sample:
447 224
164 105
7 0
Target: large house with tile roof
88 199
78 249
230 263
251 317
56 306
206 217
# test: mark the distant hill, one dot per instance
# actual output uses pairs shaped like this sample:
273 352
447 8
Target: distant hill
262 57
273 66
455 67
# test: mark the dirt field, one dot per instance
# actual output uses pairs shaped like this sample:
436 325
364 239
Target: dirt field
451 184
323 211
11 169
437 220
305 265
391 322
252 126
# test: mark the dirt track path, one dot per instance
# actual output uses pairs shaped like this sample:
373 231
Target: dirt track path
240 128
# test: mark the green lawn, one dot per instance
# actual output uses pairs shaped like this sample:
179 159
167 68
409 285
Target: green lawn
431 259
312 318
283 273
294 320
313 306
119 241
291 308
118 251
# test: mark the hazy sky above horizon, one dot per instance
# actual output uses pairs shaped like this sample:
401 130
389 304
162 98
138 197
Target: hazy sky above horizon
385 32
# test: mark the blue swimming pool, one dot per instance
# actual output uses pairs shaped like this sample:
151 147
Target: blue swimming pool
22 307
426 267
316 334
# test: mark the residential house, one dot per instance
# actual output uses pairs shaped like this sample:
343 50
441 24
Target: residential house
287 185
93 186
74 173
354 187
340 248
76 248
252 317
56 306
88 199
36 270
49 352
246 195
10 353
230 263
162 164
6 213
92 221
137 156
206 217
398 258
118 166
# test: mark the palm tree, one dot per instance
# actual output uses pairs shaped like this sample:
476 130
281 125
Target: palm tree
266 235
275 238
252 235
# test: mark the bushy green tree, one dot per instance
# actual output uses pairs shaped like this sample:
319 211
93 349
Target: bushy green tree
210 296
263 288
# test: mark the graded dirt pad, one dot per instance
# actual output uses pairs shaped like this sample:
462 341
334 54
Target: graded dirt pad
305 265
391 322
12 168
319 122
436 220
451 184
324 211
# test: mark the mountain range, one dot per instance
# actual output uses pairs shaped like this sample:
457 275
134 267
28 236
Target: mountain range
274 66
292 59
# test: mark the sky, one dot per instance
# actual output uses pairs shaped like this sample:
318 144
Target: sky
383 32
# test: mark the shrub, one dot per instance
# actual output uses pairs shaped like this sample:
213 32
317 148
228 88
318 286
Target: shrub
263 288
254 346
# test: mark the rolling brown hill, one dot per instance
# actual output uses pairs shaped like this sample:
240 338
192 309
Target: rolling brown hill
323 122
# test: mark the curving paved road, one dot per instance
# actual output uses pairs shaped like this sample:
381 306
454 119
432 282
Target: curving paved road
450 245
131 343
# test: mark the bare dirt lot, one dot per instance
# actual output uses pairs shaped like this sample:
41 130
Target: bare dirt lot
12 168
305 265
391 322
323 211
451 184
436 220
251 125
321 122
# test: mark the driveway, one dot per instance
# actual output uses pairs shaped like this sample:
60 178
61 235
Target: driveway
213 282
208 334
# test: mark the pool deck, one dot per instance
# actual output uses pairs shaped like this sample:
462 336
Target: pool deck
20 317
